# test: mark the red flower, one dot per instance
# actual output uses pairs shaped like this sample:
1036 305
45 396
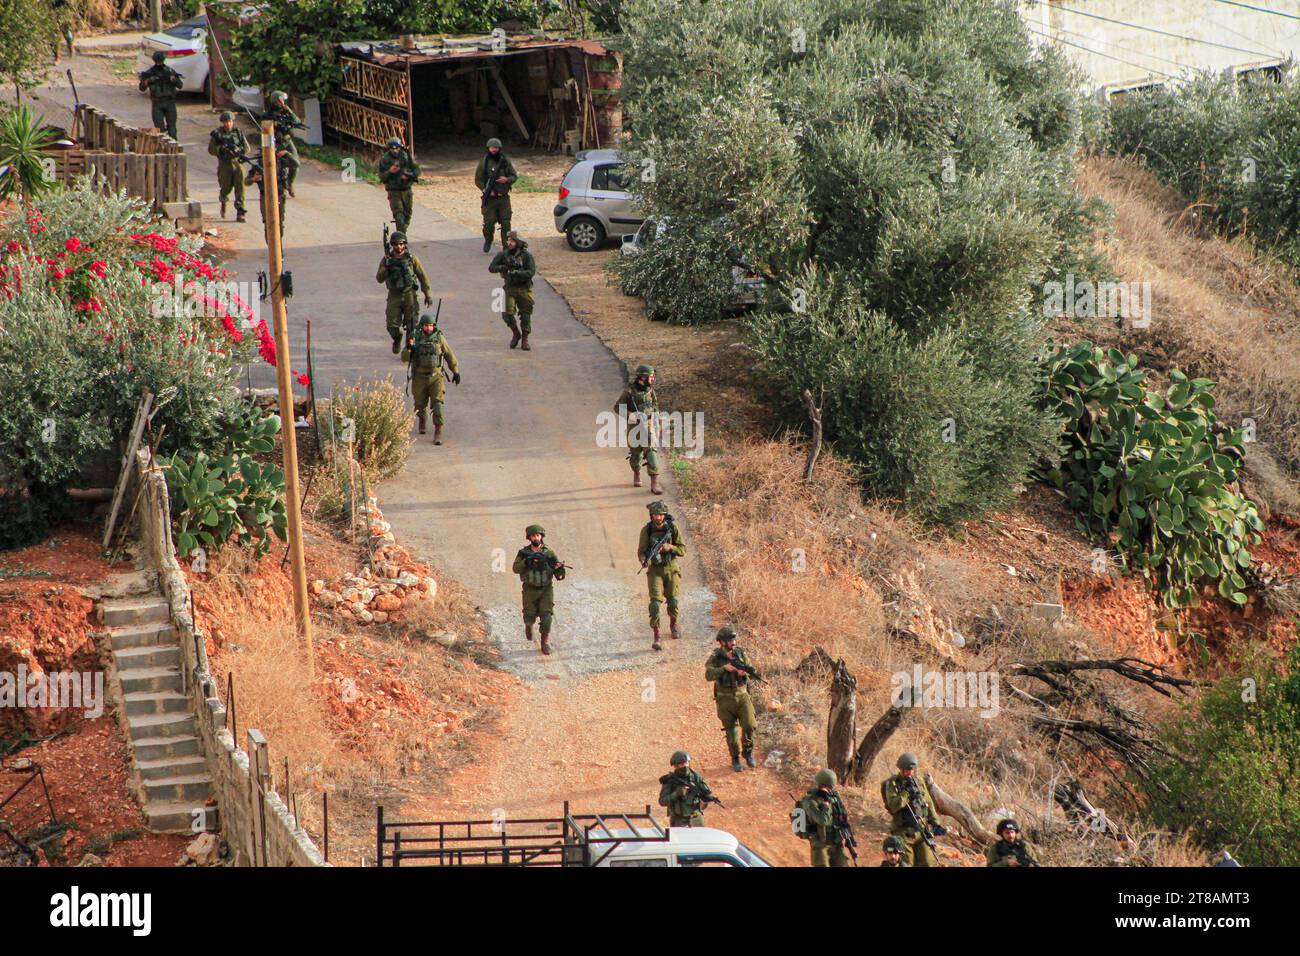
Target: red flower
303 380
14 245
98 268
73 244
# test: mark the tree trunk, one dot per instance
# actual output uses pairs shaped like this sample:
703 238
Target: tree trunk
873 742
967 822
842 723
815 416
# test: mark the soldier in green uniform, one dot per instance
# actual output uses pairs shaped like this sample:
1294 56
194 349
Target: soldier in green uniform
893 849
905 794
286 121
683 792
398 171
663 576
726 669
1009 849
284 166
537 566
162 82
822 820
641 405
516 267
228 144
425 350
406 279
494 177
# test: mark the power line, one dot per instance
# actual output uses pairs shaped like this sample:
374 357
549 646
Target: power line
1117 59
1123 49
1165 33
1247 6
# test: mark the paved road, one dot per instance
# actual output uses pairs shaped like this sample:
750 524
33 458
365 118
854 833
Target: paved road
520 443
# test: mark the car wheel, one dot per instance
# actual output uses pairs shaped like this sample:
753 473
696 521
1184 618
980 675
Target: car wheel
584 234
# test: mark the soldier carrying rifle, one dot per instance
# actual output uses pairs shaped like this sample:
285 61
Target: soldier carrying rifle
228 144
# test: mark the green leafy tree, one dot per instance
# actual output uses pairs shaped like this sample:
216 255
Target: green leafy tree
289 45
26 27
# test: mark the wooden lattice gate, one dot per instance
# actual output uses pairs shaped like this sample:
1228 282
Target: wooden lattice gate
365 106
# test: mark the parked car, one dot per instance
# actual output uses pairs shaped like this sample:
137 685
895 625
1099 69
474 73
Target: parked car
186 47
594 203
748 287
686 846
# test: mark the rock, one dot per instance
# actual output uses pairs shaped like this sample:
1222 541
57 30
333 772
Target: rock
365 616
90 860
445 638
407 580
391 570
431 586
204 850
317 586
386 602
328 598
366 596
379 617
775 707
799 728
343 614
22 763
356 607
350 594
1047 612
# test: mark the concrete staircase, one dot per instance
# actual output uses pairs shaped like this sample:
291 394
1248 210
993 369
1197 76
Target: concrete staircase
173 774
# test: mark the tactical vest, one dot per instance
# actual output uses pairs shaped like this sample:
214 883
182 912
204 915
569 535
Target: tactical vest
662 557
514 261
647 403
284 122
426 352
232 141
728 680
538 571
492 168
162 89
401 273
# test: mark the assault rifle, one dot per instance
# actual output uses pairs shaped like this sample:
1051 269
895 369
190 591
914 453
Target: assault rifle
740 665
535 557
663 539
1017 849
927 834
491 178
840 824
704 796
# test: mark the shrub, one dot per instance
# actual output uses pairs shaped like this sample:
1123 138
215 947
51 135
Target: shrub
23 138
1234 763
381 426
1153 473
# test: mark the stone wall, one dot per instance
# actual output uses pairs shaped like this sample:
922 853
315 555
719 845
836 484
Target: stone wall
260 832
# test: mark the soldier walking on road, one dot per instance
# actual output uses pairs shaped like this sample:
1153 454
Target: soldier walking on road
494 177
658 549
406 279
908 799
1010 849
820 818
228 144
684 793
398 171
424 351
641 405
515 264
537 567
162 82
286 121
730 671
285 164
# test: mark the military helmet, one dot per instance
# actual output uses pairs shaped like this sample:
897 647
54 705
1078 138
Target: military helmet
279 96
1007 824
494 143
826 778
159 56
514 234
396 237
725 634
678 757
394 141
657 508
644 369
226 115
428 319
908 760
533 529
892 845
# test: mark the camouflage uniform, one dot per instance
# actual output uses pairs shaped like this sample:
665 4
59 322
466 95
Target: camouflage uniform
398 184
228 145
286 120
663 576
685 809
1002 851
641 404
731 698
898 794
284 166
893 843
162 82
537 569
406 281
822 809
496 200
425 351
517 269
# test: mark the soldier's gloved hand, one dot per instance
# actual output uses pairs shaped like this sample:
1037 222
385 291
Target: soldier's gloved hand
428 301
455 378
938 829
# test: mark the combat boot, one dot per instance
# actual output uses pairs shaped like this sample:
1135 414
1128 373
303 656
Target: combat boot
735 763
636 477
397 345
223 209
656 646
514 334
528 630
420 417
749 757
524 345
672 628
241 214
546 647
437 434
654 485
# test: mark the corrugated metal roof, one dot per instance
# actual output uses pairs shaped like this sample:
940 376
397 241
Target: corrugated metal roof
457 49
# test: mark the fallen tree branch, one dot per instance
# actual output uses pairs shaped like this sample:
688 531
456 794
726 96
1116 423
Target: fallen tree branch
1155 676
874 740
967 822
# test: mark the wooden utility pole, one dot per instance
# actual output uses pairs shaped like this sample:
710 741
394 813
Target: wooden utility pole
289 431
155 16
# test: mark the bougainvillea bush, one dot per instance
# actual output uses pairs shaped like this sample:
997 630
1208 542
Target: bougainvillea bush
89 318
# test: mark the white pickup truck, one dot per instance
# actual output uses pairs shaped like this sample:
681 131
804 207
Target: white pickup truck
685 846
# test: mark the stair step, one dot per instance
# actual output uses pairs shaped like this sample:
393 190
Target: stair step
134 658
150 679
155 702
162 767
142 635
181 816
161 725
149 749
186 787
121 612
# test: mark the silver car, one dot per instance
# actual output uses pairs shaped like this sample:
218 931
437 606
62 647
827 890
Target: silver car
594 203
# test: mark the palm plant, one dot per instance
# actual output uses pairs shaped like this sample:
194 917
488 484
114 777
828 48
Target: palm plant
23 141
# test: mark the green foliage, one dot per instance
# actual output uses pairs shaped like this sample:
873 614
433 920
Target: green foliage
1234 145
26 29
290 44
1153 473
23 139
396 17
1234 766
235 494
381 426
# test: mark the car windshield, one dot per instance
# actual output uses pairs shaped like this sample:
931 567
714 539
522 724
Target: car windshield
186 28
749 857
